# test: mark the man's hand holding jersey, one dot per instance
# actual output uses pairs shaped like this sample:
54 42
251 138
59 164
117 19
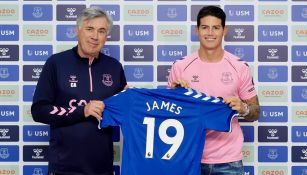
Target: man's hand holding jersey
246 108
180 83
94 108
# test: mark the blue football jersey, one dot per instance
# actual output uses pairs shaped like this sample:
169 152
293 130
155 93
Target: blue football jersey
164 129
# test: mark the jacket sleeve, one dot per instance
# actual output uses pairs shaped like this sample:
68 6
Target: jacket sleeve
123 81
44 108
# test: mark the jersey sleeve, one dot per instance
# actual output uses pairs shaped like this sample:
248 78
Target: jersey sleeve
217 115
211 111
116 109
246 89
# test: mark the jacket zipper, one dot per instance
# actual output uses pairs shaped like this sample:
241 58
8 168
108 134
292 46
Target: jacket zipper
90 74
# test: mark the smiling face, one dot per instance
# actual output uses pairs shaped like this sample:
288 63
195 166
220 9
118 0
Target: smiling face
92 36
210 33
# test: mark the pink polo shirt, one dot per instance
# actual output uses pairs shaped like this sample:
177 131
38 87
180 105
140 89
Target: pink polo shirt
229 77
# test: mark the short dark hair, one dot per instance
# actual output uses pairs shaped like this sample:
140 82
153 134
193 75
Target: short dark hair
211 11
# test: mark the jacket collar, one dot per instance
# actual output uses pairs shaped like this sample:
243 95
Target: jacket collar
75 50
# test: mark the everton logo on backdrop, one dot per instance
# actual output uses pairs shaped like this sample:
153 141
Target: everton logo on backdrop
37 12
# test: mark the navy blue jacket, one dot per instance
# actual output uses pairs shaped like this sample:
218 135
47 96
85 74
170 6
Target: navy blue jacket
66 84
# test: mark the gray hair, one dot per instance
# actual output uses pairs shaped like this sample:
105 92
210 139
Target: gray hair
93 12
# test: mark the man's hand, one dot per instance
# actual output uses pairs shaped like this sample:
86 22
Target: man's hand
236 104
180 83
248 108
94 108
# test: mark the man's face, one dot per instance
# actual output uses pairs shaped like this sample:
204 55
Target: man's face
211 32
92 36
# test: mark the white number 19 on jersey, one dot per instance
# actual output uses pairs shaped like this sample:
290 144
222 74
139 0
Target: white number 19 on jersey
175 141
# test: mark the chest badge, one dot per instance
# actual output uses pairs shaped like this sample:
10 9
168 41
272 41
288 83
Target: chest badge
227 78
107 79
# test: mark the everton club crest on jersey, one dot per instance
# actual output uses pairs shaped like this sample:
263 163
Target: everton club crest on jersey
107 79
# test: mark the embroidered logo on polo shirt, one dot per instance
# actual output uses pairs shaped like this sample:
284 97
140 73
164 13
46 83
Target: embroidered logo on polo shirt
195 79
227 78
107 79
73 81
